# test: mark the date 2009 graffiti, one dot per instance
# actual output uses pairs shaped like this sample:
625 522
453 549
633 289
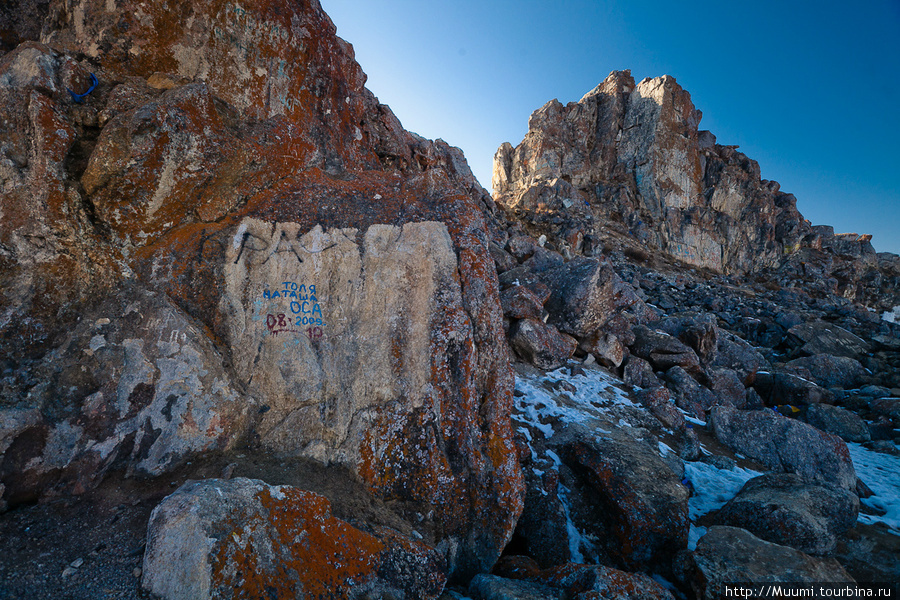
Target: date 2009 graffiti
304 310
282 323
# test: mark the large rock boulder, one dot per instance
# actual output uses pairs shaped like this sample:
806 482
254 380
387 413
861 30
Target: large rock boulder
841 422
729 555
244 245
639 505
540 344
663 351
824 338
831 371
785 509
784 444
586 294
244 539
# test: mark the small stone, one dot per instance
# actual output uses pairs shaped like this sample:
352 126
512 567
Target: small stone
75 564
137 572
68 572
228 471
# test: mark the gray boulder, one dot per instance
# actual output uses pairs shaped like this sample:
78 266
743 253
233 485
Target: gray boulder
785 509
784 444
242 538
586 294
491 587
825 338
841 422
663 351
727 555
831 371
540 344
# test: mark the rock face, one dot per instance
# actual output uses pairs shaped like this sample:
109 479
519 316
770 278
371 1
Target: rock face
726 555
632 153
243 247
785 509
244 539
785 445
628 162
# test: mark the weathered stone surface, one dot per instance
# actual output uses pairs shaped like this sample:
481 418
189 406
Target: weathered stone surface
784 444
779 387
589 582
663 351
491 587
823 338
640 505
785 509
631 153
841 422
518 302
586 294
726 555
242 538
222 146
831 371
540 344
136 385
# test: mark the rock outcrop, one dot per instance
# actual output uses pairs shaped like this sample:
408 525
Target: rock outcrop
214 236
628 166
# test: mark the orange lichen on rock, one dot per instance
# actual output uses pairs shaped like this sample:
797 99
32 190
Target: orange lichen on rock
244 539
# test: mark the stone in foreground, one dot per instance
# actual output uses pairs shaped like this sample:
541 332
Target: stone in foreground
242 538
727 555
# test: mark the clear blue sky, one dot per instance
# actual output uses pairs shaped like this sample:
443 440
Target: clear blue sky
811 90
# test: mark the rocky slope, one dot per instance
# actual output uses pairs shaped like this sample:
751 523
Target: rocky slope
630 157
257 339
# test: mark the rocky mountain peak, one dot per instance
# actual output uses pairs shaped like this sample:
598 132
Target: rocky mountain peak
631 159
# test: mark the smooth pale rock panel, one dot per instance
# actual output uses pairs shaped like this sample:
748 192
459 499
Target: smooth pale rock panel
332 329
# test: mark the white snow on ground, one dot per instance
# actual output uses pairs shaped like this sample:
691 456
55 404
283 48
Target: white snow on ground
713 488
594 394
881 472
595 391
892 316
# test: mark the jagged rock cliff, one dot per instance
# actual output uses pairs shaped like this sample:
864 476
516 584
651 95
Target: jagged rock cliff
213 236
629 159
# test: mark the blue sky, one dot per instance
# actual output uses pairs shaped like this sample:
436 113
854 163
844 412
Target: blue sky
811 90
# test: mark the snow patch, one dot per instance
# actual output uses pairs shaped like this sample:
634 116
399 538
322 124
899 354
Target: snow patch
879 472
891 316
